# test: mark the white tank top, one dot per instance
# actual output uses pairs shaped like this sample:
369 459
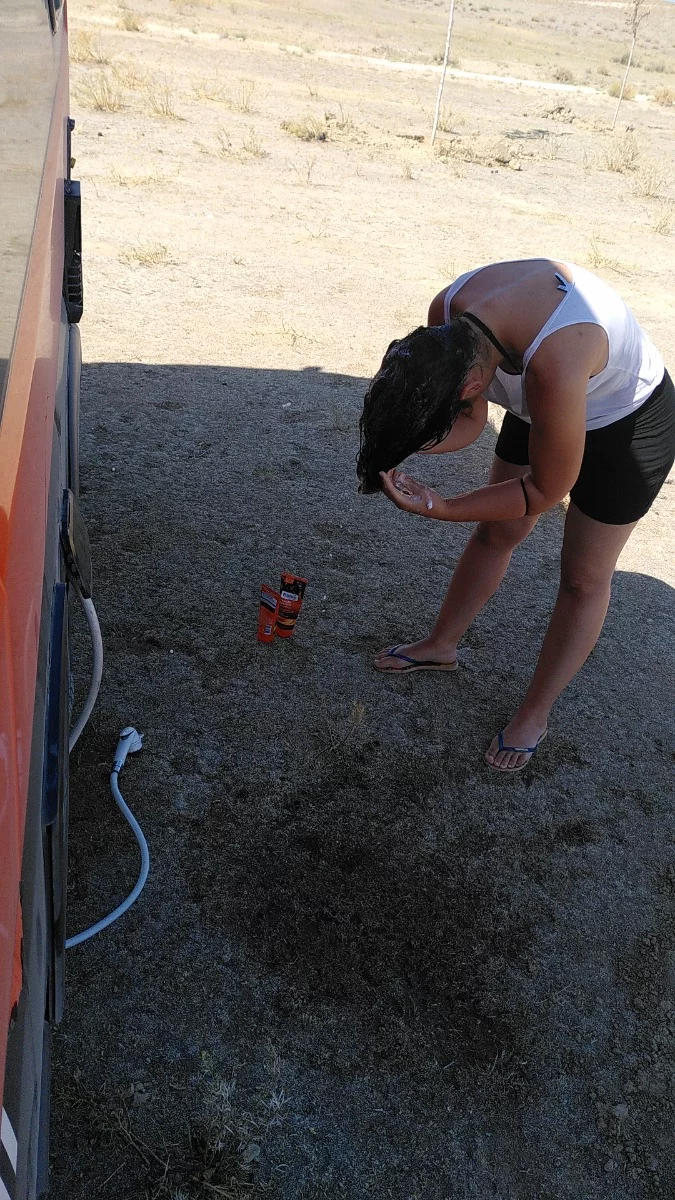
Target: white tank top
634 365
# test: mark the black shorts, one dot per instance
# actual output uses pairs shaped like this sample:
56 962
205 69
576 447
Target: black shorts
624 464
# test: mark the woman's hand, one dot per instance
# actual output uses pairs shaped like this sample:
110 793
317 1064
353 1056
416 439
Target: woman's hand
413 497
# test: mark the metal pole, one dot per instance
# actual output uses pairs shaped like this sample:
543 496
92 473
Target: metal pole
445 67
623 85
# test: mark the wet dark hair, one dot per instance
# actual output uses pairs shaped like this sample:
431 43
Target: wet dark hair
413 401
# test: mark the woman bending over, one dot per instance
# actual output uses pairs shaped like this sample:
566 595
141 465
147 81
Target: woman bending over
590 411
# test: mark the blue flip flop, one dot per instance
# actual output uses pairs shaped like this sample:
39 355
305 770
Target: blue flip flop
415 664
514 750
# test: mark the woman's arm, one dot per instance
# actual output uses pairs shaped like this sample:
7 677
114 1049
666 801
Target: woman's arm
558 413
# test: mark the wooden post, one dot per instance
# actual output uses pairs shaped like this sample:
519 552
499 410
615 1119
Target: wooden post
623 84
637 13
445 67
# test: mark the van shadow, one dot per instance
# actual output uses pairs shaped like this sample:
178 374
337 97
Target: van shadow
337 826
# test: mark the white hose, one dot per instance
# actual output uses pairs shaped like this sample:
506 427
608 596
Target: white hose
130 741
140 883
96 671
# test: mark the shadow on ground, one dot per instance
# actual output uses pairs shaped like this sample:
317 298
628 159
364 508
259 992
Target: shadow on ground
363 966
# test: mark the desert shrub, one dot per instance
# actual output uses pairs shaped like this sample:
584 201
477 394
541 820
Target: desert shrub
242 98
252 145
131 22
622 59
621 155
563 75
665 96
100 93
308 129
614 90
160 101
664 219
484 150
652 180
83 48
151 255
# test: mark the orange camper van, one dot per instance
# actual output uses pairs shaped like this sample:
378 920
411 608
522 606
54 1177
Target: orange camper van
40 305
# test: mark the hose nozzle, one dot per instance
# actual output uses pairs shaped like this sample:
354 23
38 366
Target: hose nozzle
130 741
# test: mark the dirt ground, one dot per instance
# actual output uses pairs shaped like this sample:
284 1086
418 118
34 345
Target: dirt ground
364 966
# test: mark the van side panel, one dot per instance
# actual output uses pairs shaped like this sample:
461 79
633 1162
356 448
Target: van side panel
28 369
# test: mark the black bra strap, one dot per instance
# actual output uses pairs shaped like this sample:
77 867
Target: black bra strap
490 335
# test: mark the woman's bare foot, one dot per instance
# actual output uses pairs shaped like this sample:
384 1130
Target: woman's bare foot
427 655
523 733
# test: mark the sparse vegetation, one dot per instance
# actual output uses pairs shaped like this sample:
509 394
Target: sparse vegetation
652 180
100 93
664 219
150 255
622 155
449 120
252 145
131 22
242 99
161 101
614 90
562 75
84 49
599 261
207 89
483 150
129 75
304 171
665 96
134 181
307 129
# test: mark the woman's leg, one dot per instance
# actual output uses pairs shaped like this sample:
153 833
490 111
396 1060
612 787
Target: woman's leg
476 577
589 554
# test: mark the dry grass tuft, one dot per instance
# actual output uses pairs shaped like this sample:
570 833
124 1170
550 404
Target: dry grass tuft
652 180
131 22
209 89
614 90
309 129
449 120
407 171
100 93
150 255
600 261
83 49
484 150
242 99
303 171
665 96
664 219
134 181
128 75
562 75
251 146
622 155
161 101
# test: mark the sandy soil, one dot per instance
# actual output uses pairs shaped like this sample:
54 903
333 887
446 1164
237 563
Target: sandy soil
363 966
